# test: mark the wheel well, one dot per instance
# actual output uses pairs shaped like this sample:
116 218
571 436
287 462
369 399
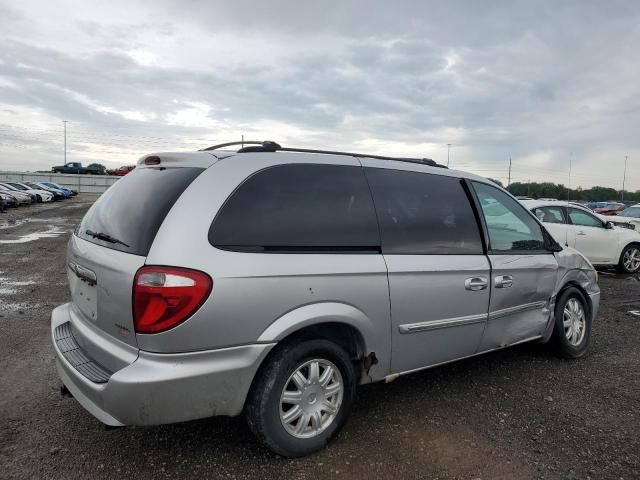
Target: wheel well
342 334
582 290
637 244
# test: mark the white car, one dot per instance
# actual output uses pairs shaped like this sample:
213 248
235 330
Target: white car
594 236
41 195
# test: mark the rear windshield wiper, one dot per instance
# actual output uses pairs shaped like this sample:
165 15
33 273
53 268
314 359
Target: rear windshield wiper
105 237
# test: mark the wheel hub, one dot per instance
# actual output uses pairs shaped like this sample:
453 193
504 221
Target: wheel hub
574 322
311 398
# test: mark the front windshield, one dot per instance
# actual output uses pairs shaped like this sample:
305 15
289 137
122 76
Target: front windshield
630 212
17 186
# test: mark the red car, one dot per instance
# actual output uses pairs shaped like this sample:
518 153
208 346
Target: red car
121 171
611 209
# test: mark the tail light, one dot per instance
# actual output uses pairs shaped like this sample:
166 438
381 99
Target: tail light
164 297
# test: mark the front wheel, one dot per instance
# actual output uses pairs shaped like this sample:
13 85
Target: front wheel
630 259
572 330
301 397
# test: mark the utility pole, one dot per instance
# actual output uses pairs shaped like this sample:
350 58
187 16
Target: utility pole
529 188
569 189
624 175
242 141
448 148
65 141
509 181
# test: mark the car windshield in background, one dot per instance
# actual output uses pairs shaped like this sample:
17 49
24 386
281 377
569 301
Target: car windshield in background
128 215
630 212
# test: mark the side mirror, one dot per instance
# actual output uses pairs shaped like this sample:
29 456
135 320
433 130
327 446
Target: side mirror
608 225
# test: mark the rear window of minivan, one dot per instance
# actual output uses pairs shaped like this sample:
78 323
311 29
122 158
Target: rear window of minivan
128 215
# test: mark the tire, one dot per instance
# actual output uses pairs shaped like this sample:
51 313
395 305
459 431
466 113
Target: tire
38 199
627 264
264 407
572 338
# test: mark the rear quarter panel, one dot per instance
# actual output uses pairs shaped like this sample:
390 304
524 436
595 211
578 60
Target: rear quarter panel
261 297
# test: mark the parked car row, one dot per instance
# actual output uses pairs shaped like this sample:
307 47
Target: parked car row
594 235
14 194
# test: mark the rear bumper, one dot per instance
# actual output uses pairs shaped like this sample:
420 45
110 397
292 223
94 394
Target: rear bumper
164 388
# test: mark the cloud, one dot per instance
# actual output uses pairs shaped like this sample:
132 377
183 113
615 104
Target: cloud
535 81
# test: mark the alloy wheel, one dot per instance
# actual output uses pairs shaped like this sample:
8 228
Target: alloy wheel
311 398
631 259
574 321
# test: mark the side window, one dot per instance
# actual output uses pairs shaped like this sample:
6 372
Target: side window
549 214
423 214
582 218
299 208
510 226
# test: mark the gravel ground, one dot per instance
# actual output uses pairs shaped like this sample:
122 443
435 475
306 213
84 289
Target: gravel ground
519 413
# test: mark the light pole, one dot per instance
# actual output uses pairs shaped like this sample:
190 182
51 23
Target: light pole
64 122
569 189
448 148
624 175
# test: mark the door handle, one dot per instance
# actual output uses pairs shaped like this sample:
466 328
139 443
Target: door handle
580 232
503 281
476 283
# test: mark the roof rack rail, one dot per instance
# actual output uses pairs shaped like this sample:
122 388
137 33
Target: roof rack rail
269 146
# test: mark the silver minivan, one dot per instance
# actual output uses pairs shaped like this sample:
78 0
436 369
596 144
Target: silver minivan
272 281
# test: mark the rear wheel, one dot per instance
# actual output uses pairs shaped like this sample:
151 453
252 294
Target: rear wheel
572 331
301 397
630 259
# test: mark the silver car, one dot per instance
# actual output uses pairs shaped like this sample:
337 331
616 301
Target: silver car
273 281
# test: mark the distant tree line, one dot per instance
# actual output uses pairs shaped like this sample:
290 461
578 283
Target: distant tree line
559 191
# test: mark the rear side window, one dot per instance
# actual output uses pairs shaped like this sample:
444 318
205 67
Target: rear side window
299 208
549 214
423 214
131 211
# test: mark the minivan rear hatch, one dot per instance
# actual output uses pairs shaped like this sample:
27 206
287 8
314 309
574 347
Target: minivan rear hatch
112 242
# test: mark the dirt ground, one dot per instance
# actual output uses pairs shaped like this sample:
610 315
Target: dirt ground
519 413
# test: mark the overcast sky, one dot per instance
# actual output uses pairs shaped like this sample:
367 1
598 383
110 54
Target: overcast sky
541 82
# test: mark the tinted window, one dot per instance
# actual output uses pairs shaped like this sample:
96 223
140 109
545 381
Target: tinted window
133 209
549 214
582 218
420 213
510 226
299 207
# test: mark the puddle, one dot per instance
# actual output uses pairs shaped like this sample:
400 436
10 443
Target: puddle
52 232
52 220
23 283
13 223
